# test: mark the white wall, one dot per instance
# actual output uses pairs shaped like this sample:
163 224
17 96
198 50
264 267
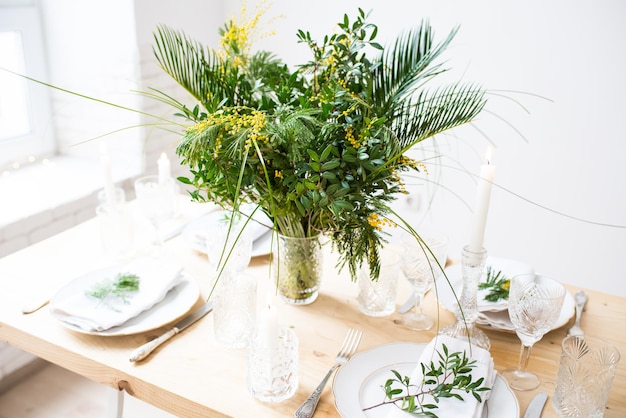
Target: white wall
566 163
570 157
88 51
201 25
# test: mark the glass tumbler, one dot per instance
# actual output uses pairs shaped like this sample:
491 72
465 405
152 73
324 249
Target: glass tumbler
273 365
119 196
378 297
116 230
234 313
583 382
229 246
156 202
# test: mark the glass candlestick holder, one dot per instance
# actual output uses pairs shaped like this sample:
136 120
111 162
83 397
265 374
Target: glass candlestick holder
467 310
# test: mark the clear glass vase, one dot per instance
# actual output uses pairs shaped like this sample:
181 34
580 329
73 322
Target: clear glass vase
467 309
297 265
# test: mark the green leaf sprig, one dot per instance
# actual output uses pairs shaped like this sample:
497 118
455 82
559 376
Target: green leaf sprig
121 287
498 284
448 379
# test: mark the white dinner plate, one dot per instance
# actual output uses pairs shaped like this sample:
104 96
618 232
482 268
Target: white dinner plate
197 231
177 302
494 315
358 383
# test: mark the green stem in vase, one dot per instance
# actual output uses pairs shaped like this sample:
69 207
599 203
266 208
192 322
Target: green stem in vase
299 266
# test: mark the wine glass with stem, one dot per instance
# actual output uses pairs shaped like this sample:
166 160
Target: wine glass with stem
157 203
535 303
424 258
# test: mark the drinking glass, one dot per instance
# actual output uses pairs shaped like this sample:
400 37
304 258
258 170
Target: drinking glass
229 245
229 248
378 297
424 259
583 382
535 303
273 366
157 202
116 230
234 309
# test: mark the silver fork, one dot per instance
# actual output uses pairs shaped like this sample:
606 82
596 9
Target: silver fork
349 347
581 299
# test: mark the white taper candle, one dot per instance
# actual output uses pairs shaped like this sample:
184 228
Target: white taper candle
481 206
109 187
164 168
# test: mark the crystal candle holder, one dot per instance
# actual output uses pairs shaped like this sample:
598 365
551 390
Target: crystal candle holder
467 309
273 366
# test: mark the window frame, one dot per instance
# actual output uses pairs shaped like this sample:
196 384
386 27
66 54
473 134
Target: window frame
40 140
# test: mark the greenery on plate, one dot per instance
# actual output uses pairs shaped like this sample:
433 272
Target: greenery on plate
497 284
122 287
449 378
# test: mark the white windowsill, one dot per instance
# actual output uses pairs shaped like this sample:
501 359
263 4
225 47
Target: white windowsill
48 184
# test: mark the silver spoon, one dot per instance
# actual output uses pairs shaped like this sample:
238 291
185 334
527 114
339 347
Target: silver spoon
581 299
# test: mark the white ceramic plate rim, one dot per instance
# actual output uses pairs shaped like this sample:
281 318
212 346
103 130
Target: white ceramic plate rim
447 300
508 267
195 233
176 303
352 376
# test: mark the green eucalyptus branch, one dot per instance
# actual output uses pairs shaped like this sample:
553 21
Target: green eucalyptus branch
121 287
449 378
497 284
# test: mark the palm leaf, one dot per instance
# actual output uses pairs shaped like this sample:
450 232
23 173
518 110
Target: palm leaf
190 114
407 65
196 68
267 67
434 112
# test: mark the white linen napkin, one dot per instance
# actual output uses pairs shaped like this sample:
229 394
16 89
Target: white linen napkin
80 309
451 407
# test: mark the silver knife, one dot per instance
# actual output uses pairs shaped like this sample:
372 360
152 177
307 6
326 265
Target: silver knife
145 350
406 306
410 302
536 405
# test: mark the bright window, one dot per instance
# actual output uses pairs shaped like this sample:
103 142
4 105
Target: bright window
25 125
15 120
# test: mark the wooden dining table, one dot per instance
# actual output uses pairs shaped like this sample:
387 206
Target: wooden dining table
193 376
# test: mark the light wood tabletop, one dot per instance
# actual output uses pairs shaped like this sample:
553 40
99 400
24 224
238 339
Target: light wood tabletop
193 376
